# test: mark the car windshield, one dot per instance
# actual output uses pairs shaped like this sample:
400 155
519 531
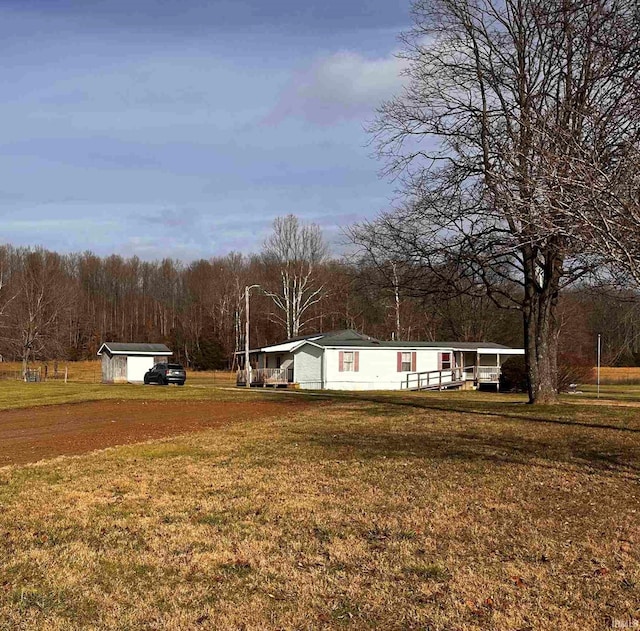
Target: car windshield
175 367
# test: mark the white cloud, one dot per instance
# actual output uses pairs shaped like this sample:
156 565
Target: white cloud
343 86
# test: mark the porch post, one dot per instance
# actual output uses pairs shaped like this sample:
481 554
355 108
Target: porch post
476 370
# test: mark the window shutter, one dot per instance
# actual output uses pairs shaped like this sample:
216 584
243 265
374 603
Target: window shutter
341 361
356 361
413 361
399 361
439 361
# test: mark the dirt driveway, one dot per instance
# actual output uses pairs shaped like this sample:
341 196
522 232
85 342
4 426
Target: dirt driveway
33 434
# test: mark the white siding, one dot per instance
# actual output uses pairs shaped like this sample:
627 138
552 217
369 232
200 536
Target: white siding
378 368
137 366
307 367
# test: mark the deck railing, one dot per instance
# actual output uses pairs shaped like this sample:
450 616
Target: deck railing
444 378
433 378
266 376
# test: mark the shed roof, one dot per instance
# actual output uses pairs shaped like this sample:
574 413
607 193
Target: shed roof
126 348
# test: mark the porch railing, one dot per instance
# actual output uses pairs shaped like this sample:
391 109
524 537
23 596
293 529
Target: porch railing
482 374
487 374
265 376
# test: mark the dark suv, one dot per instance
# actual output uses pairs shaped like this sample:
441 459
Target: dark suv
164 374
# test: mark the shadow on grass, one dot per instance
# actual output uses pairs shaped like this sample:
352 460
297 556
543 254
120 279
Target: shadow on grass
390 404
523 439
487 447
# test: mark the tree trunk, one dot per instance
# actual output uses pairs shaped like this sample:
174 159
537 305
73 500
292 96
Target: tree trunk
25 363
541 346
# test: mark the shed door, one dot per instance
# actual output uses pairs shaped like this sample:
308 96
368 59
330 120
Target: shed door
137 366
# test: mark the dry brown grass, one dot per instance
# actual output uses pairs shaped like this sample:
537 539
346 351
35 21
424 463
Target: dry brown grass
91 372
371 512
625 375
17 394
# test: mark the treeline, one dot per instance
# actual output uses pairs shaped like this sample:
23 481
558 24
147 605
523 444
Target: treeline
56 306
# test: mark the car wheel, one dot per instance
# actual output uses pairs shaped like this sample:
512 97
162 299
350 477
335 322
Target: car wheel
146 380
163 382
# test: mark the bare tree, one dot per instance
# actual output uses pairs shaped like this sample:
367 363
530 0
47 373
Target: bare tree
296 250
41 305
516 115
6 297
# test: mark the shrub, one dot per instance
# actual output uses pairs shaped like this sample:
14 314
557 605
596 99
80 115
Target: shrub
572 368
514 374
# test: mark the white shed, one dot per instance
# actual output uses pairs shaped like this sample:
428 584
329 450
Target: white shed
125 362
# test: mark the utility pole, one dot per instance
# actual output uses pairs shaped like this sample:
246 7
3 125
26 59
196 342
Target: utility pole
599 354
247 365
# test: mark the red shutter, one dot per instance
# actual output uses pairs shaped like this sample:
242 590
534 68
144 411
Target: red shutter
413 361
341 361
399 361
356 361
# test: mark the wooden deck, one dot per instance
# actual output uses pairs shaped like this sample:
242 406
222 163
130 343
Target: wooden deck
452 378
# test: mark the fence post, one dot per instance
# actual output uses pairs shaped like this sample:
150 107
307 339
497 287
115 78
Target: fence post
66 372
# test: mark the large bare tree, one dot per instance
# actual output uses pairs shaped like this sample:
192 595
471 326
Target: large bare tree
517 121
296 250
43 298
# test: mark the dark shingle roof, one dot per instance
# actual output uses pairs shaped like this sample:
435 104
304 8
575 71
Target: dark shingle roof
471 346
349 337
341 334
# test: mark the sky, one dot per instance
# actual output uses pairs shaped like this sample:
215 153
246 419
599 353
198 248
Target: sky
182 128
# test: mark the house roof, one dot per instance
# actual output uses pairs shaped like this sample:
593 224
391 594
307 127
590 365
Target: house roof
125 348
348 338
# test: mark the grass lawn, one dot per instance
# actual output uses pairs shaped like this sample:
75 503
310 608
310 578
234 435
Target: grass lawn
200 386
377 511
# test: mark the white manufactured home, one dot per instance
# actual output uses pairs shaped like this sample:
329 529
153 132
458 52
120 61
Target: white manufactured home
123 362
347 360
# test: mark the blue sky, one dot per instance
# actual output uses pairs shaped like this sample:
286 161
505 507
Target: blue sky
182 128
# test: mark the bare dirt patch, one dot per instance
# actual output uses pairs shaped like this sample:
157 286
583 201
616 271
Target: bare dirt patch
29 435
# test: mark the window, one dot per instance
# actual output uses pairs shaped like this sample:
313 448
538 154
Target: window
347 362
445 361
407 361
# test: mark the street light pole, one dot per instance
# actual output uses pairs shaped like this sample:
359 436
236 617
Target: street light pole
247 365
599 361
